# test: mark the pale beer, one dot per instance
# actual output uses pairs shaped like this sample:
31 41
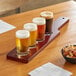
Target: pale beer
32 28
22 42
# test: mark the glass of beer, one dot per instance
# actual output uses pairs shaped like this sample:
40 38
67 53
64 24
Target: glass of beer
41 25
49 20
22 42
32 28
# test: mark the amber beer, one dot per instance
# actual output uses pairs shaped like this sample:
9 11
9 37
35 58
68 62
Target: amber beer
49 20
32 28
22 42
40 21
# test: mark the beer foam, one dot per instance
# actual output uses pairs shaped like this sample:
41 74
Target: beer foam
30 26
46 14
22 34
39 20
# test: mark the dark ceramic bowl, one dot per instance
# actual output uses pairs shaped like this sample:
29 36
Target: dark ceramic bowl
68 59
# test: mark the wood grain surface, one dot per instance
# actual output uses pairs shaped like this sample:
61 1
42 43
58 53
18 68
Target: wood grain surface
52 53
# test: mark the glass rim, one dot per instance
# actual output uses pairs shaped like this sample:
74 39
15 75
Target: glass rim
46 14
39 20
30 26
22 34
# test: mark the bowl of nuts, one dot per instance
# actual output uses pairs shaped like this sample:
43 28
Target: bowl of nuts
69 53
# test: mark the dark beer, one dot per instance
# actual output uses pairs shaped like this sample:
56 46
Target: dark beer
49 20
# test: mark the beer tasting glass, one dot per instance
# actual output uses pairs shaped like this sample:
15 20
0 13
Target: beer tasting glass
41 24
32 28
22 42
49 20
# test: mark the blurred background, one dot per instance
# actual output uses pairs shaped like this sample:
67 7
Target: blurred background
9 7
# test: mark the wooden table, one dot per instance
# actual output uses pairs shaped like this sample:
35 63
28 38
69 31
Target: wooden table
51 53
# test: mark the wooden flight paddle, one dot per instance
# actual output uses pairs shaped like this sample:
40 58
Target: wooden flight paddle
57 24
